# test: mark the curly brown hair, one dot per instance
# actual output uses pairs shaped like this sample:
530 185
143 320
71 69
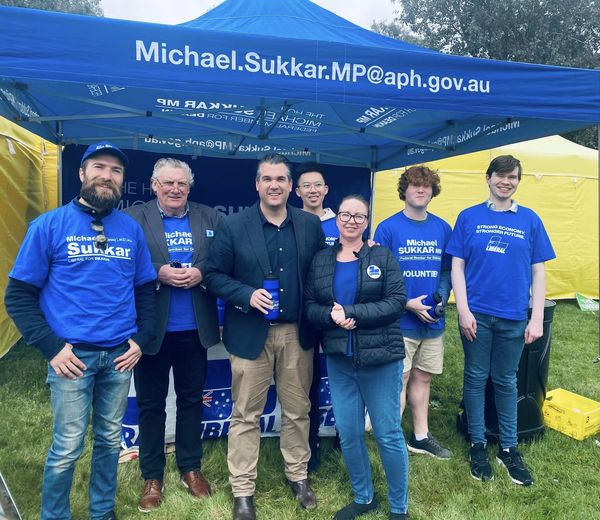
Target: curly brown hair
419 176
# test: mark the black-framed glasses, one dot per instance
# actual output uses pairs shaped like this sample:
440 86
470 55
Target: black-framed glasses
101 242
359 218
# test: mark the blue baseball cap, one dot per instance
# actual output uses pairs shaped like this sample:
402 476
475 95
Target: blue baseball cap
104 147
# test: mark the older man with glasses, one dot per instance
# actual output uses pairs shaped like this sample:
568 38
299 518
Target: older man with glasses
179 234
82 292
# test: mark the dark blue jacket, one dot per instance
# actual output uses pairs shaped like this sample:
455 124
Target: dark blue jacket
238 264
380 300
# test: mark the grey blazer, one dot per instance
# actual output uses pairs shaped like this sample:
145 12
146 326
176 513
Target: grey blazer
204 222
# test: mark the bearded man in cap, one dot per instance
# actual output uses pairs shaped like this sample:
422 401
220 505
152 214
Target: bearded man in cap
82 292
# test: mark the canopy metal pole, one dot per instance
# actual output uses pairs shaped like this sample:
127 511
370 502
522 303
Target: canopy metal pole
598 144
59 162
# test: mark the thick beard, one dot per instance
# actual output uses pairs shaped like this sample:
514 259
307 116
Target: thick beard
101 200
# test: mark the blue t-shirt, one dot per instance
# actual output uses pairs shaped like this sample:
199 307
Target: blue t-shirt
181 247
420 248
345 284
332 233
499 248
86 293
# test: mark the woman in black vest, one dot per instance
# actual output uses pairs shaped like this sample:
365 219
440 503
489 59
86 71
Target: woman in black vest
355 294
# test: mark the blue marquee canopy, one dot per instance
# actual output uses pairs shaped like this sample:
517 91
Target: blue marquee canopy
256 76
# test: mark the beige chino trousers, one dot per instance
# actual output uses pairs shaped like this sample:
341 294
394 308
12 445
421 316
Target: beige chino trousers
291 366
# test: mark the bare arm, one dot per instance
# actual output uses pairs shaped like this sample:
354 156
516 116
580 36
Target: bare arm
535 327
466 321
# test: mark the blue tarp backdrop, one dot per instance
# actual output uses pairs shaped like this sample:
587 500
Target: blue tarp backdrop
251 77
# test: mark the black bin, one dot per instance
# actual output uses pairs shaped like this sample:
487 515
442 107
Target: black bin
532 379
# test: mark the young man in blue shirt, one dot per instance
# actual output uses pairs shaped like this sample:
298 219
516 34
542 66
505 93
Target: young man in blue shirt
418 239
82 291
498 249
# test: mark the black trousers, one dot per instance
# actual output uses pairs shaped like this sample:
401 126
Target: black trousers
315 413
183 352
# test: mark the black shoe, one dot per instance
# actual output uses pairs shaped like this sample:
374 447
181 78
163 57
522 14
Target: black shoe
110 516
304 494
428 446
480 465
353 510
243 508
398 516
513 463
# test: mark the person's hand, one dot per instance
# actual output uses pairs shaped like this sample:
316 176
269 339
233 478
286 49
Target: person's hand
533 331
128 360
195 277
419 309
467 325
339 317
261 300
67 364
176 276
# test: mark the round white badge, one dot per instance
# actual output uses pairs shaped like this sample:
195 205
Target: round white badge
373 272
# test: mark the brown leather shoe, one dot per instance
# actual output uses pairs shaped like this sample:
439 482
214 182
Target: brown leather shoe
304 494
151 496
243 508
196 484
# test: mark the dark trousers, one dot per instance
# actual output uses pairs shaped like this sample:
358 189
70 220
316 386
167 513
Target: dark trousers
315 413
183 352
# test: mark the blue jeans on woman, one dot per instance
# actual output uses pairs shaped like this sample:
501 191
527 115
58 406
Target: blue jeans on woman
495 352
105 390
378 388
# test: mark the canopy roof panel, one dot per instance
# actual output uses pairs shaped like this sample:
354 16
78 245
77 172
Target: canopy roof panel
251 77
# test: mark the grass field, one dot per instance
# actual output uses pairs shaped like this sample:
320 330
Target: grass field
567 471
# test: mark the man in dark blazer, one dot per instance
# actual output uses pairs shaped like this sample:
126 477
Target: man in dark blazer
178 233
269 238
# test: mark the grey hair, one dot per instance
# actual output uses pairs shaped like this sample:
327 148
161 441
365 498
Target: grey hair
169 162
275 158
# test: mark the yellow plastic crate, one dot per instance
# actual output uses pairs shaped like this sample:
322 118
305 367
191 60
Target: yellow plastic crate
571 414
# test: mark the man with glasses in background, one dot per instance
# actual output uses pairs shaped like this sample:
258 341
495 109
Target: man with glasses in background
312 189
179 234
82 292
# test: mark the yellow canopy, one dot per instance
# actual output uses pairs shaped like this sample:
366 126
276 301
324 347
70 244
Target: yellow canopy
560 183
28 188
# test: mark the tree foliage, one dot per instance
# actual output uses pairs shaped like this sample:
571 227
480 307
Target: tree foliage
88 7
551 32
556 32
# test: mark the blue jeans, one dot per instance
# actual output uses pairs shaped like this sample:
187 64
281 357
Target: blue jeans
105 390
496 351
378 388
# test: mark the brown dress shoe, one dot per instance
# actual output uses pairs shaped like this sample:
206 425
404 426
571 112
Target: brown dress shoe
196 483
151 496
243 508
304 494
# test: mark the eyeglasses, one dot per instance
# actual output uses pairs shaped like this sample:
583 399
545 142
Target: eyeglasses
101 242
309 185
183 186
359 218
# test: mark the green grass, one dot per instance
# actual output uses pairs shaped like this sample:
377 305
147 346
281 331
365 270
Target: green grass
567 471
